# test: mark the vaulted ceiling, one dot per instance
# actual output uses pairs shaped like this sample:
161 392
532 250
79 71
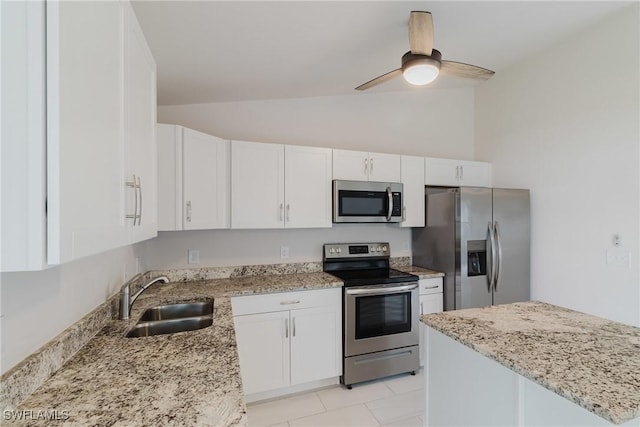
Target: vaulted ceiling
220 51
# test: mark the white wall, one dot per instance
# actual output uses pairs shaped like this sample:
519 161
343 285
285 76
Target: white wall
437 123
566 125
37 306
244 247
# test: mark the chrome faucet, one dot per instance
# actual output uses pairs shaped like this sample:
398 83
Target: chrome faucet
126 300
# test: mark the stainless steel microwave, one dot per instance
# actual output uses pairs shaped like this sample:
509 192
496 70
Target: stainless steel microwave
367 201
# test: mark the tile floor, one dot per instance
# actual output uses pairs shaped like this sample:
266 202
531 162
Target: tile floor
396 401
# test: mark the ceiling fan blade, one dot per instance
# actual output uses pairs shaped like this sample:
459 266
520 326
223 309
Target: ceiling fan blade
420 33
459 69
380 79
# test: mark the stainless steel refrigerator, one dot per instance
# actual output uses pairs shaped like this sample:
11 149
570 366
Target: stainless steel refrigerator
480 239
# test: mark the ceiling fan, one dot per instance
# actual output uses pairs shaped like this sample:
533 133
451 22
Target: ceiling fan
422 64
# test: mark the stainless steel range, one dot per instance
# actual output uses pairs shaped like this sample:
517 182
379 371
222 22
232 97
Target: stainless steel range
380 312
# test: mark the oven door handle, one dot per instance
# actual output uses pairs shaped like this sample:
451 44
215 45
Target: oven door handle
380 290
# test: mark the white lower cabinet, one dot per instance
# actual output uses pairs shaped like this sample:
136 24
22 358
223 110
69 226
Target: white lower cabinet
288 339
431 301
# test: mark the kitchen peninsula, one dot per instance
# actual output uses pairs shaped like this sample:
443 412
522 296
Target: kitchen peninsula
530 363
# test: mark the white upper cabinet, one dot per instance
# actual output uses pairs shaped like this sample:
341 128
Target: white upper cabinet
85 138
276 186
307 186
257 185
205 185
193 180
366 166
23 125
140 132
412 178
84 122
447 172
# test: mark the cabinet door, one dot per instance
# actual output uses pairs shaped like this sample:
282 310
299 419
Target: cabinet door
412 178
350 165
257 185
85 152
307 187
475 174
169 142
384 167
441 172
140 130
316 349
263 348
204 181
428 304
23 125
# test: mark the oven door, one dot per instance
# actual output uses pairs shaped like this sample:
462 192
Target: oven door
380 317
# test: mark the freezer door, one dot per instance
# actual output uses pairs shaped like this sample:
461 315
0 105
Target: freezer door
473 216
512 223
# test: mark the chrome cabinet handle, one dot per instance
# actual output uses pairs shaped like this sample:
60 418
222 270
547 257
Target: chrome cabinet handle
371 165
461 173
421 308
404 213
457 173
140 204
432 287
286 328
390 207
290 302
293 322
496 229
133 184
288 212
491 275
188 210
281 212
366 165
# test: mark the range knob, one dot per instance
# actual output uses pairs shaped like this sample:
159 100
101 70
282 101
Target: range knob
339 250
332 250
384 249
378 249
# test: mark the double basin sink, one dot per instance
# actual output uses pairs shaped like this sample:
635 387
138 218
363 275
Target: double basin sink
172 318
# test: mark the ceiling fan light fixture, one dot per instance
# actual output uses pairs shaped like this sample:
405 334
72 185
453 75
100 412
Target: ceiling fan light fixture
421 70
420 74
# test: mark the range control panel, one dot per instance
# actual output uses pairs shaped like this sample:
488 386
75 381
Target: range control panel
356 250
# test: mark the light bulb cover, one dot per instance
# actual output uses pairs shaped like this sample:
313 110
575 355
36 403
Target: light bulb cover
421 69
420 74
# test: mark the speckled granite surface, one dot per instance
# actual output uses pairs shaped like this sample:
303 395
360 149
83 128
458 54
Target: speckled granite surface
423 273
591 361
182 379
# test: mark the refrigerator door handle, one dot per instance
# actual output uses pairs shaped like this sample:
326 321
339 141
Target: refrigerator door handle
499 241
491 274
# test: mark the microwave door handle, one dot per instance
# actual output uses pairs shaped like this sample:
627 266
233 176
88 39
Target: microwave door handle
390 207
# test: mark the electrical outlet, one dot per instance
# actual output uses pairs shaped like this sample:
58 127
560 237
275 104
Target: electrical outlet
194 256
284 251
619 258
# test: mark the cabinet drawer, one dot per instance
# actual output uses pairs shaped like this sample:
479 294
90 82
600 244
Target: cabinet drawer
265 303
430 286
431 304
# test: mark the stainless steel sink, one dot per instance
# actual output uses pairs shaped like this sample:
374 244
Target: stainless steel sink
172 318
178 311
159 327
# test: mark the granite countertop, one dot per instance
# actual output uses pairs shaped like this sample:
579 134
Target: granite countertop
591 361
182 379
422 273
